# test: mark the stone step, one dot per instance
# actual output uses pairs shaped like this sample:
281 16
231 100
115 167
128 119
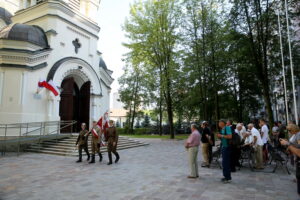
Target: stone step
73 143
74 137
66 146
62 148
73 153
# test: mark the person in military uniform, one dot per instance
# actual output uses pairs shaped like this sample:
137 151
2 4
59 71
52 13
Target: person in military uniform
82 142
112 141
96 141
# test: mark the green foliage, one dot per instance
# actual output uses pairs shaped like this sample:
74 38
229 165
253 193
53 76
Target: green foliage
136 131
122 131
146 122
117 124
141 131
137 123
152 31
204 60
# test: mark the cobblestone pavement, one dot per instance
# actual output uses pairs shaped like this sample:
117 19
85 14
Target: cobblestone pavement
157 171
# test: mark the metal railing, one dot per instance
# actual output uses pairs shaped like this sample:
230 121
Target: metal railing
15 136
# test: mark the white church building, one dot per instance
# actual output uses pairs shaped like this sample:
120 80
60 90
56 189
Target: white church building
51 40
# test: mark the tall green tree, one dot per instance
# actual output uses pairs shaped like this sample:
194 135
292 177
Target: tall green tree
152 33
256 18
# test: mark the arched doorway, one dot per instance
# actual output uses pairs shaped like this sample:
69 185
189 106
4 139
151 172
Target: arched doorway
74 103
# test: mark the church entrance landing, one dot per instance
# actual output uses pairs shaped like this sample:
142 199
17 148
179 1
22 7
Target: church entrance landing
74 103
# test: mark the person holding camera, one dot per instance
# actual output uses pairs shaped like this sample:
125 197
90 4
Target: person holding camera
225 135
292 145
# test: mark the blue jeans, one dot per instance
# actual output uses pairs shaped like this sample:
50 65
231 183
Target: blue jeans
226 162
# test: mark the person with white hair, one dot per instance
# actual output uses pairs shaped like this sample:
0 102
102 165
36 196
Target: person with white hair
257 145
294 144
192 145
264 132
240 130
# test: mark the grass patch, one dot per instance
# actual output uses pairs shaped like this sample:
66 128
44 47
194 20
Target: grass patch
178 137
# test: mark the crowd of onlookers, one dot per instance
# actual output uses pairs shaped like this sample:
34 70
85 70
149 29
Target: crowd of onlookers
259 137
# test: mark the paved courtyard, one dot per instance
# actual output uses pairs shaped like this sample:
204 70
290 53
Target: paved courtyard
157 171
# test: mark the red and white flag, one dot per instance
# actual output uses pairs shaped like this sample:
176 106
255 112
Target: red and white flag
41 83
105 123
50 86
99 123
94 132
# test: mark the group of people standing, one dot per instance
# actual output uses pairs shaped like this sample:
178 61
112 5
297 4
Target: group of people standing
100 137
232 139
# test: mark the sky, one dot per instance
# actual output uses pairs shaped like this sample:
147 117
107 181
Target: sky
112 14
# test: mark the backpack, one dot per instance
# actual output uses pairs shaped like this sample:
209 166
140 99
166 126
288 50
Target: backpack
235 140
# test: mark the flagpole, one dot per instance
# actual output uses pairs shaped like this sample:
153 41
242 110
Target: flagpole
283 68
291 61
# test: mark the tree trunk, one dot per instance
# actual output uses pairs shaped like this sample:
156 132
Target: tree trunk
160 101
261 61
129 119
160 114
267 99
170 114
169 104
134 102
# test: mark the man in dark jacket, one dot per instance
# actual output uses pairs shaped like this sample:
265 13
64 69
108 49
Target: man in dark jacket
205 140
112 138
82 142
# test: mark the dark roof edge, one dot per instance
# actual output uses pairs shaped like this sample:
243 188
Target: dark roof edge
39 66
7 19
26 51
65 20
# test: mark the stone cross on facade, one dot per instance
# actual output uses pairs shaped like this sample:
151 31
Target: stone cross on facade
76 44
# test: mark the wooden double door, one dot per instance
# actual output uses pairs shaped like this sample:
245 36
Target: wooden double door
74 104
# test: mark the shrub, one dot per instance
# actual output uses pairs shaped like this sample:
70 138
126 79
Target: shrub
141 131
137 131
122 131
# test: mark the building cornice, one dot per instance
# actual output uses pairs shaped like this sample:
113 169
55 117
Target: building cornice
25 51
35 67
106 78
24 58
64 8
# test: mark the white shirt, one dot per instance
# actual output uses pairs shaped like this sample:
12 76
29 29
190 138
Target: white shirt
244 129
240 133
265 133
256 133
275 129
249 139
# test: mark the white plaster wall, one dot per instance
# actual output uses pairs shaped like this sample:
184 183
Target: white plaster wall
2 23
45 107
